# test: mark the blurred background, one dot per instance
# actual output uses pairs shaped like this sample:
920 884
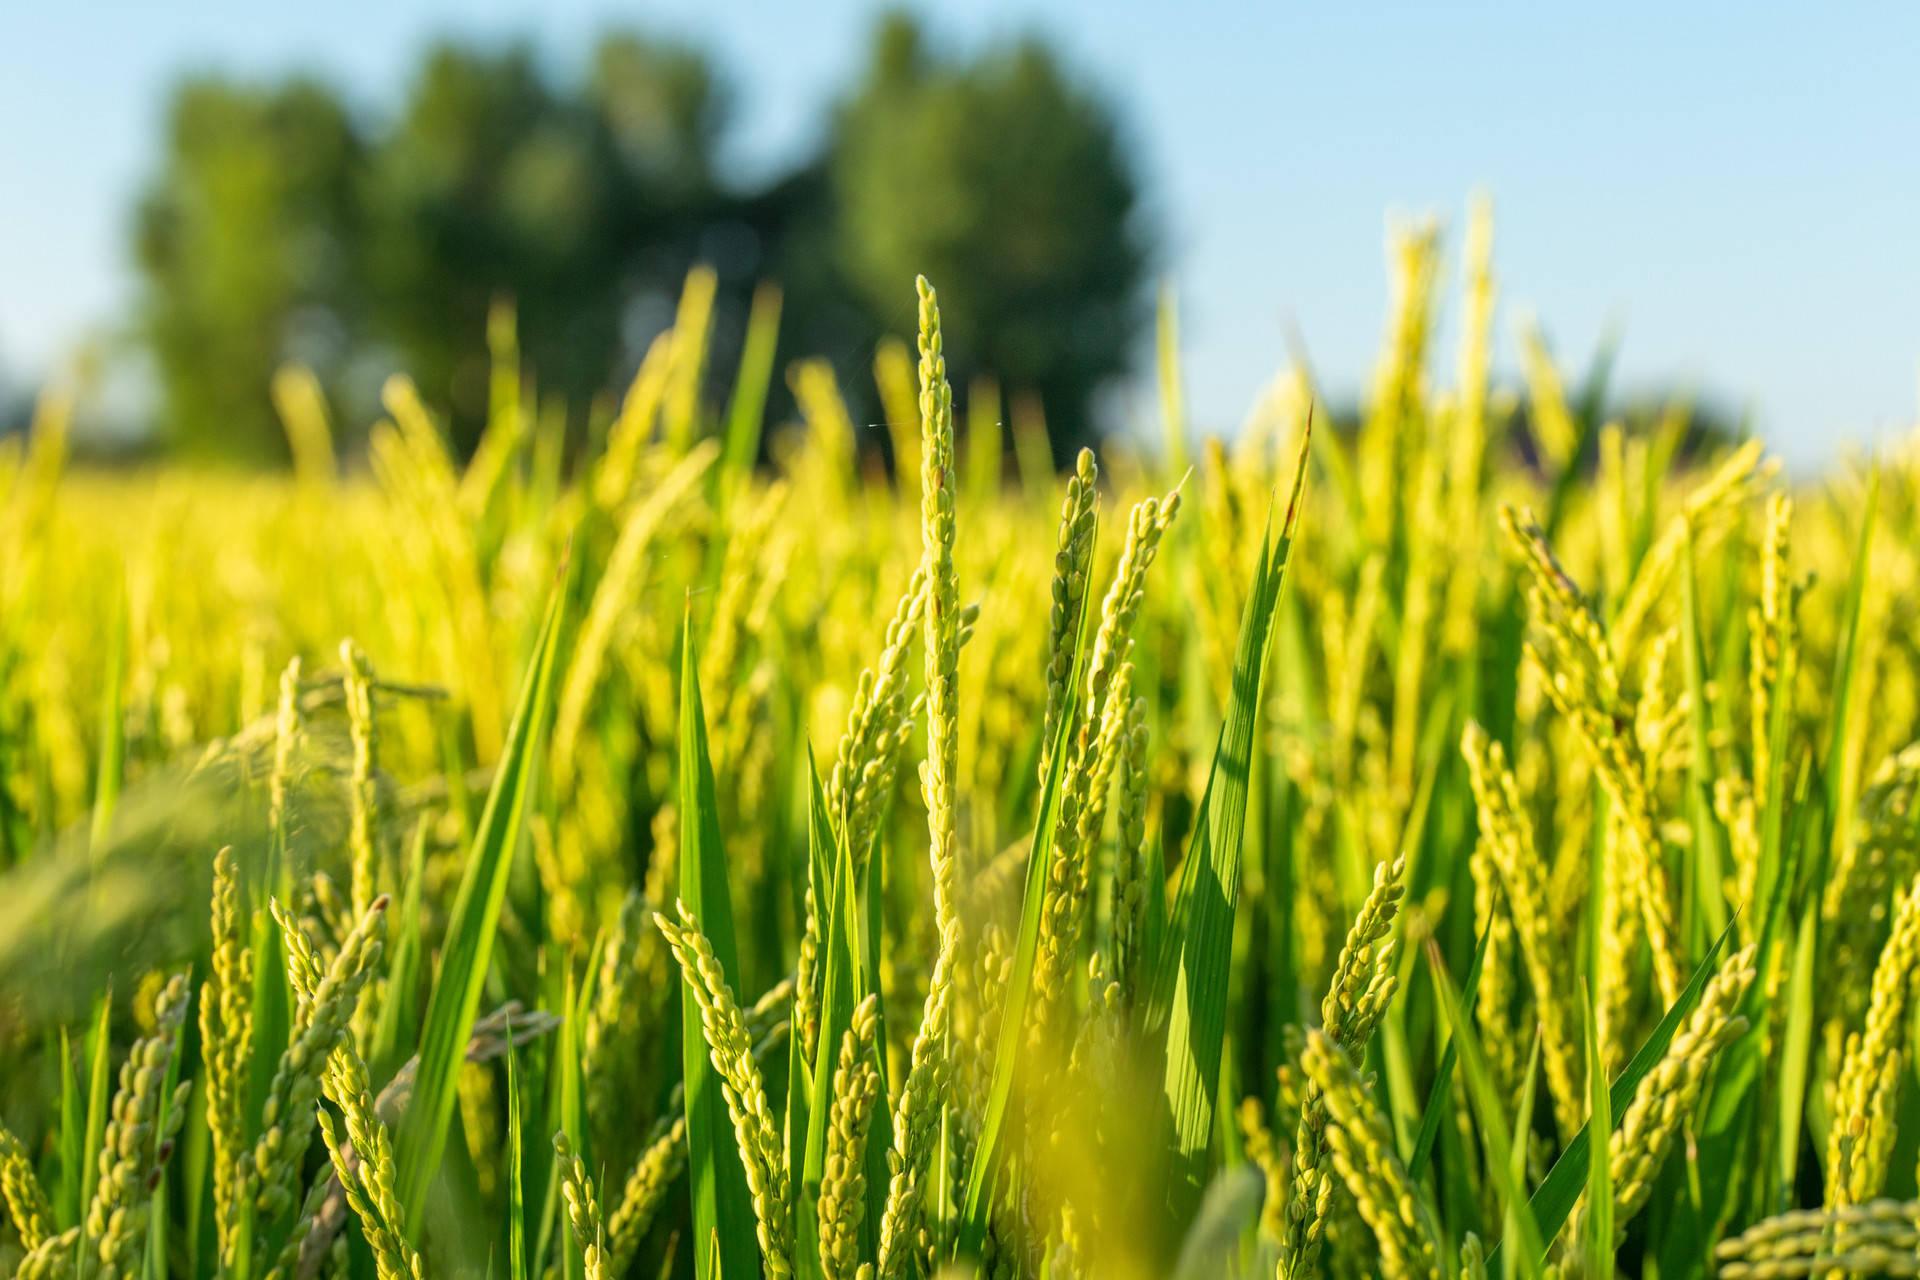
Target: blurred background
1715 201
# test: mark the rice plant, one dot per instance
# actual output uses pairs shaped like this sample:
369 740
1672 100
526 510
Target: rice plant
1471 836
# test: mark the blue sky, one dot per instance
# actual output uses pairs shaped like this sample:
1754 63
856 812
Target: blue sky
1734 187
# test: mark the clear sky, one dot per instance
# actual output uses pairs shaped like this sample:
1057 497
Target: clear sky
1734 187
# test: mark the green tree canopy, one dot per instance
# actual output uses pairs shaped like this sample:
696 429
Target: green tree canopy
1007 184
246 242
493 182
282 225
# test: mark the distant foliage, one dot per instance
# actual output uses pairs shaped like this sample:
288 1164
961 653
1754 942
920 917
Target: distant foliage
247 244
1005 177
281 224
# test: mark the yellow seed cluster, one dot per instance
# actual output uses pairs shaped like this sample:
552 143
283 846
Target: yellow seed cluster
1647 1131
856 1085
1881 1237
583 1209
1363 984
362 1159
916 1116
741 1085
20 1187
1363 1155
326 1001
647 1187
1507 835
1583 682
138 1140
226 1041
1072 567
1865 1099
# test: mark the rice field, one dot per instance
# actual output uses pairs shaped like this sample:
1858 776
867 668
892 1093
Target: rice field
1478 839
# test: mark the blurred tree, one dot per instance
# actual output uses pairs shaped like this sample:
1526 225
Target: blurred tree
278 227
576 205
1008 185
245 245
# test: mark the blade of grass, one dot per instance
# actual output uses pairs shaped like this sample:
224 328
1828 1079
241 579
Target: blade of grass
746 412
541 1170
973 1217
474 919
272 1027
99 1078
1522 1129
1440 1097
159 1221
516 1170
820 866
1395 1055
1732 1148
196 1157
113 731
1787 852
1189 993
1599 1240
73 1128
566 1119
1484 1096
746 420
400 1008
1709 841
1796 1047
1600 869
799 1125
723 1221
1013 1014
1554 1198
1839 779
841 989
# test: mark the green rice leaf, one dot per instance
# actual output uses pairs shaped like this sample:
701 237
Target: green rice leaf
746 412
113 731
723 1221
1440 1096
475 917
1484 1095
400 1008
1554 1198
73 1128
516 1177
1522 1126
1839 778
1796 1047
154 1262
842 988
571 1122
1189 993
1599 1241
1013 1014
819 872
99 1081
1709 841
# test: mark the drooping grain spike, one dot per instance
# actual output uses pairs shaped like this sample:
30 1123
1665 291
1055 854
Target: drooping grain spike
745 1093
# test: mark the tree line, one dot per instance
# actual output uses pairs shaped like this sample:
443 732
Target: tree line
283 224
